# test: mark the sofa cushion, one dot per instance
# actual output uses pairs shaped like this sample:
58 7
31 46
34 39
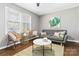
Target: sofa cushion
55 37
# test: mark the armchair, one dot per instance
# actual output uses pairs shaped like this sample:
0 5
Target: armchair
13 37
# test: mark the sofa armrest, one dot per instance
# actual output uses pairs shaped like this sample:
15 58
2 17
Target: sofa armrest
65 38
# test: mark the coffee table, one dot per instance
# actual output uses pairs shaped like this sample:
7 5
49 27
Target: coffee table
42 42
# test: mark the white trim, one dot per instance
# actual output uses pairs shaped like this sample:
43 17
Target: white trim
8 46
73 41
3 47
6 13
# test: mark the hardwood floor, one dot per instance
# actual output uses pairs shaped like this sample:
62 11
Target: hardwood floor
11 51
70 49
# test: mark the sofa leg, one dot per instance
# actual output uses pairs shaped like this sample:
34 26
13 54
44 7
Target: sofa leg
61 44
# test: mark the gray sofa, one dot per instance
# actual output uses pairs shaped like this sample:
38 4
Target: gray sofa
50 34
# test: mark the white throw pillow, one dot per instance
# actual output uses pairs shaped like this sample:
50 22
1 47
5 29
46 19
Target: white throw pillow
35 33
56 34
43 33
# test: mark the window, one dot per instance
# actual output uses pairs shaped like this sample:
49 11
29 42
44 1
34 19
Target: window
26 22
16 21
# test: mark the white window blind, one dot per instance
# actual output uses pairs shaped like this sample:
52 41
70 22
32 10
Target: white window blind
16 21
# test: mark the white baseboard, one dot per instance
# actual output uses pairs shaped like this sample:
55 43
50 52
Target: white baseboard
8 46
73 41
3 47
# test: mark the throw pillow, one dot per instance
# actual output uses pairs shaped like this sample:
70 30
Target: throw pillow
62 34
12 36
43 34
17 35
56 34
35 33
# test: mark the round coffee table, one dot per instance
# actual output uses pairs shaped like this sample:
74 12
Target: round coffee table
42 42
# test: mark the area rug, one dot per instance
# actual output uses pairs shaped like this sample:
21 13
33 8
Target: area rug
57 50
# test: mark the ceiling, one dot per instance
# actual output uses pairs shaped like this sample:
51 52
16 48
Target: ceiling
46 8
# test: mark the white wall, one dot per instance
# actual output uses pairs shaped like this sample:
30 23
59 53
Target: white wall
34 18
69 22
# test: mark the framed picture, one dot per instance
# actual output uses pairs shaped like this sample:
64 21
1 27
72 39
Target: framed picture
55 22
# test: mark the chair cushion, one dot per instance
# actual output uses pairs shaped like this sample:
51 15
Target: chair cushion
12 36
15 36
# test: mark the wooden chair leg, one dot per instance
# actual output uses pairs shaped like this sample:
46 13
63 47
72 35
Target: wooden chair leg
14 46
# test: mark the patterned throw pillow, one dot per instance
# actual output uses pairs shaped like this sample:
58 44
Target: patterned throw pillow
56 34
61 35
15 36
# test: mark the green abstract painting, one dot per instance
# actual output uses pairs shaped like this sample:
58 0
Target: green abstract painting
54 21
